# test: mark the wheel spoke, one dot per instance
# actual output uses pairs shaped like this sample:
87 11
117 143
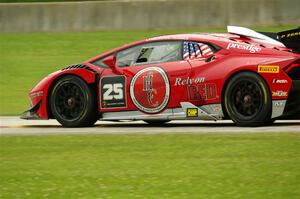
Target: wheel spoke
69 101
247 98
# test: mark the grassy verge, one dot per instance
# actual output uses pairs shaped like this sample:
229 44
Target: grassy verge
27 57
34 1
259 166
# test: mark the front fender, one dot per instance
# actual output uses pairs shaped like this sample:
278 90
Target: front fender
39 94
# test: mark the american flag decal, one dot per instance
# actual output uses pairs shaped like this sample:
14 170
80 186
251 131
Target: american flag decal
186 53
197 50
193 50
205 49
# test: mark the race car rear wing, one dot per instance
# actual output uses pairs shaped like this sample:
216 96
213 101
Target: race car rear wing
289 38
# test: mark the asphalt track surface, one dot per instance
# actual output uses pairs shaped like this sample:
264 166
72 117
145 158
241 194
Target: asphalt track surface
16 126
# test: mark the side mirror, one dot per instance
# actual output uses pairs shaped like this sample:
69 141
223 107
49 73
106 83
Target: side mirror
110 61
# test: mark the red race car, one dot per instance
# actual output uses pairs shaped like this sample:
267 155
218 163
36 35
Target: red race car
249 77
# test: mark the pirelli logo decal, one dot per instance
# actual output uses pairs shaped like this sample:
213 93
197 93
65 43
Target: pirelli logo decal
268 69
192 112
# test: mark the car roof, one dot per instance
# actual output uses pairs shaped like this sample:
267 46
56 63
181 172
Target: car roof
220 39
193 36
204 37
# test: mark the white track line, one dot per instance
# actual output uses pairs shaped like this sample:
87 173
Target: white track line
15 126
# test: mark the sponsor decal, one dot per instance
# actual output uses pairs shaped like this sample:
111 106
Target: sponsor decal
279 93
188 81
202 91
247 47
278 104
113 92
293 34
36 94
192 112
150 90
279 81
268 69
216 109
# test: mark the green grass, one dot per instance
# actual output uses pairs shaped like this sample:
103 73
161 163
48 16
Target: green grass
33 1
27 57
256 166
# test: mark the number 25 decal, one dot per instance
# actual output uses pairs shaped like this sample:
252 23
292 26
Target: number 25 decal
114 91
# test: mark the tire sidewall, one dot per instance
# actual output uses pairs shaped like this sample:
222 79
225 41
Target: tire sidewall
88 110
264 113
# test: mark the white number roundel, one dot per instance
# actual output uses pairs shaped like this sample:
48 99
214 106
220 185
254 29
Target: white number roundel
150 90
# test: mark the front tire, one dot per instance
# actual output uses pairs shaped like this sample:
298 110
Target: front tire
247 100
73 103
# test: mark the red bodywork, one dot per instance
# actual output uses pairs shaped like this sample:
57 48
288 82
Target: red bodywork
199 80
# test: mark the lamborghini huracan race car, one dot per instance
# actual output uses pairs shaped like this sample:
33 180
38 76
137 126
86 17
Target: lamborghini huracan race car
249 77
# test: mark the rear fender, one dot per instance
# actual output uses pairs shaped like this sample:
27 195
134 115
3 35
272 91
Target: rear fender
277 81
280 85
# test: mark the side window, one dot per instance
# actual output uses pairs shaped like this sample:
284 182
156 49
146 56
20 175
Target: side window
99 62
193 50
159 52
124 58
127 57
154 52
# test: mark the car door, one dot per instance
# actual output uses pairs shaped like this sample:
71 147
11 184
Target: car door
157 68
113 86
150 72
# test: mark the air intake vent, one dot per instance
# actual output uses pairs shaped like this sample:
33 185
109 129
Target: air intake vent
294 73
293 70
79 66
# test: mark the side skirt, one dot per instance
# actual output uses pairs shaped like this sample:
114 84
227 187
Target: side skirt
188 111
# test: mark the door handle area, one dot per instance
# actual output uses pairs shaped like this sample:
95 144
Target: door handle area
210 58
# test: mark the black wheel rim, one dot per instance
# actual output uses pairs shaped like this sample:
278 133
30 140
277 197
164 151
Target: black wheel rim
70 101
246 99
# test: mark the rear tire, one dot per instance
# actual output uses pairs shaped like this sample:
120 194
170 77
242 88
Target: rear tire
73 102
247 100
